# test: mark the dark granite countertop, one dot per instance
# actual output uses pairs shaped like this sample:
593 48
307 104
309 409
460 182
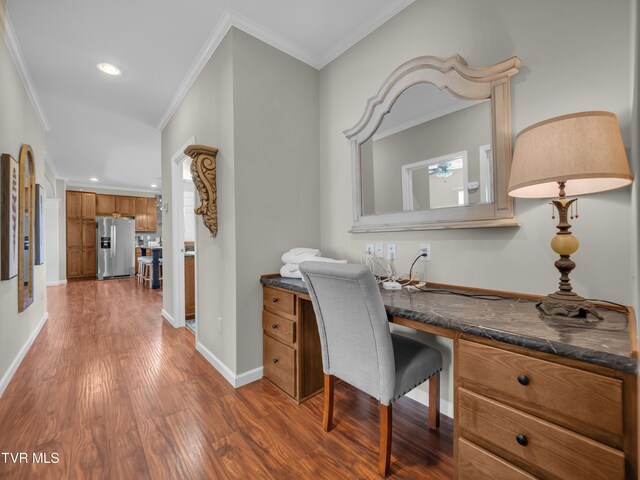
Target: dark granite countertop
510 320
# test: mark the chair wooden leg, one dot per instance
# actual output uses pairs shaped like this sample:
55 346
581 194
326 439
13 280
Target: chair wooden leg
434 402
327 417
384 458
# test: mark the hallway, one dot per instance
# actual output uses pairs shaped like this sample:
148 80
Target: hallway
118 393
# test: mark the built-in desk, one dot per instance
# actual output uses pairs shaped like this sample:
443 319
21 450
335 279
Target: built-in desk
535 396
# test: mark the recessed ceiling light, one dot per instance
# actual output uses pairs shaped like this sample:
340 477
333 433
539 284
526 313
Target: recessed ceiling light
109 69
93 179
154 186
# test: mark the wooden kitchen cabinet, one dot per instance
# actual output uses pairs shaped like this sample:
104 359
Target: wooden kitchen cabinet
125 206
117 205
81 234
152 215
89 206
141 214
74 232
146 214
89 262
189 288
74 205
89 233
74 262
105 204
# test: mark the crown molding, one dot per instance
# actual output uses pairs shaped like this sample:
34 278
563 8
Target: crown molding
15 51
362 31
210 45
231 18
272 38
95 186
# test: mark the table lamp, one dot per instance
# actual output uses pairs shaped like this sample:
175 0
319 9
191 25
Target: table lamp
568 155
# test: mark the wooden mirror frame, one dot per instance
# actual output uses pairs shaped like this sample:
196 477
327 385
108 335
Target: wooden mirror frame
26 155
458 78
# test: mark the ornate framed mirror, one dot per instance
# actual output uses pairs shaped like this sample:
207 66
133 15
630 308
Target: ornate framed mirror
25 227
433 148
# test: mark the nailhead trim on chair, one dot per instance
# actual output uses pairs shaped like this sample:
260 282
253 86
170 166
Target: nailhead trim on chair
419 383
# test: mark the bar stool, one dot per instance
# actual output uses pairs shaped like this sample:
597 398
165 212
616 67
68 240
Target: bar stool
147 267
144 268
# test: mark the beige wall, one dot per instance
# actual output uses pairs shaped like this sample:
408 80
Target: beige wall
207 113
277 171
575 57
18 124
259 106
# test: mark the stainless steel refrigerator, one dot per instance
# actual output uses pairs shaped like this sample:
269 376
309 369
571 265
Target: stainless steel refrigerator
116 254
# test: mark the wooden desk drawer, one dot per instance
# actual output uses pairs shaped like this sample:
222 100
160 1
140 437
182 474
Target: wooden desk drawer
278 300
279 327
279 364
475 463
567 396
547 450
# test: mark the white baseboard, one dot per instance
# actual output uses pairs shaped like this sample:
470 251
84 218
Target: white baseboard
57 282
249 377
235 380
422 396
8 375
169 318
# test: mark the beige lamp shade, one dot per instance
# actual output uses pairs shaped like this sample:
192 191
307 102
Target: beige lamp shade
585 150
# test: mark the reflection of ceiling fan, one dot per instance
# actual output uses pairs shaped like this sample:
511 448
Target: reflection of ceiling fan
441 170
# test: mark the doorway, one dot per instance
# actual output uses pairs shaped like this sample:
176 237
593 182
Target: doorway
183 236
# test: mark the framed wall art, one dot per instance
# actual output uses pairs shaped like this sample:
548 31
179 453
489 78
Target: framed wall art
10 178
39 226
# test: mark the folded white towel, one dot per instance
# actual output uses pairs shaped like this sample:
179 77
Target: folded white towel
299 255
292 267
292 270
286 273
300 250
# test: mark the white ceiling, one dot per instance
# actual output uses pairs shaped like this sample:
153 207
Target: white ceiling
108 127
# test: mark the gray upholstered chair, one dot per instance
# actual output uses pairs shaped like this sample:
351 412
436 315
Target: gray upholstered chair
359 348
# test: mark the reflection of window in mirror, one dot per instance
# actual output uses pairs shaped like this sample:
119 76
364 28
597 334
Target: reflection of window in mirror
428 127
435 183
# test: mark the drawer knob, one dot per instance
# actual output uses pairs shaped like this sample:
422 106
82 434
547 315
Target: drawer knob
274 326
523 380
522 440
274 299
275 360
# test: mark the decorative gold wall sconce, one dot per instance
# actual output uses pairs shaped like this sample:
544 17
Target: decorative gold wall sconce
203 172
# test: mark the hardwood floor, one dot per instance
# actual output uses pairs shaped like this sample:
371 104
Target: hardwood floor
118 393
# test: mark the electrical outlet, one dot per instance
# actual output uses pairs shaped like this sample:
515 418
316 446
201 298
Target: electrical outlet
219 324
369 248
425 248
380 250
391 251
